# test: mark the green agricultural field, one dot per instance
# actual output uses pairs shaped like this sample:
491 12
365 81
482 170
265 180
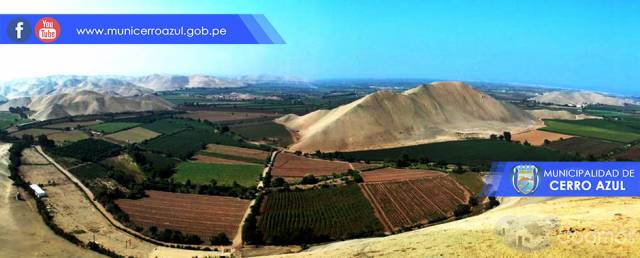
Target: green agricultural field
157 165
469 152
89 171
8 119
112 127
186 143
471 180
268 131
606 113
623 131
87 150
319 215
170 125
224 174
133 135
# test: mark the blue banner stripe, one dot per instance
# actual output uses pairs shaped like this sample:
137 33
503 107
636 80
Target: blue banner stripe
137 29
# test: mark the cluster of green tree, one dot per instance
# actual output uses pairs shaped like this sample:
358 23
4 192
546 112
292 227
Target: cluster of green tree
505 136
251 233
333 156
174 236
169 185
87 150
219 239
154 165
21 111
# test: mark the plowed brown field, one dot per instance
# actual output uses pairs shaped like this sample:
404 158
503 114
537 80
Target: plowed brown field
200 215
238 151
291 165
395 174
409 203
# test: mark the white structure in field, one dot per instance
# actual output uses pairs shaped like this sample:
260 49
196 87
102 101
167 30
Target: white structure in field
39 192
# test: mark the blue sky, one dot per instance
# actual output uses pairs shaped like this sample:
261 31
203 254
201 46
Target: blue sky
582 44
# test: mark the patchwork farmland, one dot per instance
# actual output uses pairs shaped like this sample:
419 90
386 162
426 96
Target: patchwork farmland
407 203
220 116
289 165
200 215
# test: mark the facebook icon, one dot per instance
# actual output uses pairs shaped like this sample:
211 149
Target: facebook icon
19 30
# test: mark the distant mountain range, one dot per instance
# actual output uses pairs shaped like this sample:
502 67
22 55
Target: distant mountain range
129 86
580 98
68 95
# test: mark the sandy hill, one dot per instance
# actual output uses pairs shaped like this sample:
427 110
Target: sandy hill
429 113
580 98
50 85
90 102
165 82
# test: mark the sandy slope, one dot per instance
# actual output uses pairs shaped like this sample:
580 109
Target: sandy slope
22 231
579 98
90 102
559 114
429 113
593 227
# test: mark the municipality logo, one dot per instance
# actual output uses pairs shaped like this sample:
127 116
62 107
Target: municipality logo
525 178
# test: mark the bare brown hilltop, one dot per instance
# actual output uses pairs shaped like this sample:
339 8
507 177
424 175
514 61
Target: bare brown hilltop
434 112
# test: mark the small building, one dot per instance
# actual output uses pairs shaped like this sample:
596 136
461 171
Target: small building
39 192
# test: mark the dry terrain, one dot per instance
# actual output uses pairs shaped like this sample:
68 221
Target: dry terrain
218 116
395 174
384 119
570 227
558 114
22 231
537 137
200 215
73 212
294 166
576 98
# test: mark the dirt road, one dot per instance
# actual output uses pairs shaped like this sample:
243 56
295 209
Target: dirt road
22 231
